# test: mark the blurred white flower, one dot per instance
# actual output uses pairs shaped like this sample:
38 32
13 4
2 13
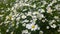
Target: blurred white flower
34 17
25 32
23 16
53 26
43 3
57 7
24 24
26 4
1 23
16 26
25 21
18 18
51 3
34 5
58 30
34 13
43 20
26 0
41 32
40 16
41 10
24 9
56 17
49 10
47 27
51 22
6 22
0 33
58 0
1 15
7 30
29 14
11 17
12 32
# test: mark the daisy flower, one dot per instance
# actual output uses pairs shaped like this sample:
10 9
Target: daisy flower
32 26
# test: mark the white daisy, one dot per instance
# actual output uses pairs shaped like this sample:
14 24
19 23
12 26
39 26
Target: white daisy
32 26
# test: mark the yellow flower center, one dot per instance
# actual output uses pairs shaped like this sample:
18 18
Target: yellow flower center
33 26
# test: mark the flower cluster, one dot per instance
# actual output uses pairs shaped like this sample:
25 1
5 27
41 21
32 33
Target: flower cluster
30 17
